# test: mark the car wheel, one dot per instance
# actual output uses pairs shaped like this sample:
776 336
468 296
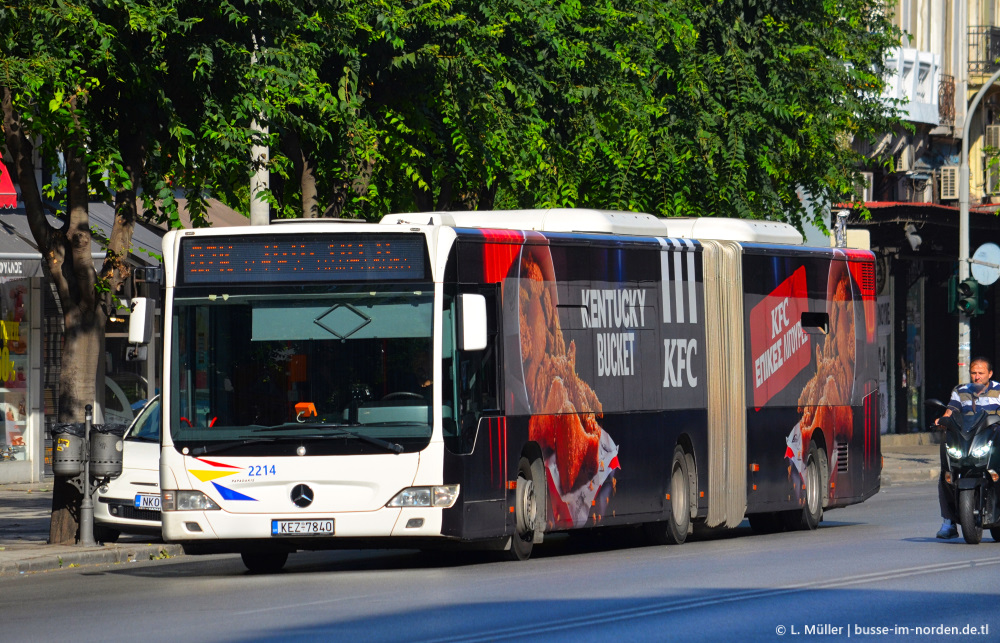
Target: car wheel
104 534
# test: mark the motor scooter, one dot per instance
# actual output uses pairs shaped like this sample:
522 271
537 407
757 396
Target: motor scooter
971 475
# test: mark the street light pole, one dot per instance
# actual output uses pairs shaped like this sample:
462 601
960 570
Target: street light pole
964 334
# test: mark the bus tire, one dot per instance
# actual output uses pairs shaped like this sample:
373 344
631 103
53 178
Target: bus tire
766 523
809 517
692 471
529 502
264 562
677 527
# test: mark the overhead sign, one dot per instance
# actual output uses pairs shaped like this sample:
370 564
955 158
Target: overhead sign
304 258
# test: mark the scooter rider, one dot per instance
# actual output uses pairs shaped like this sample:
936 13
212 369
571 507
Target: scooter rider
981 393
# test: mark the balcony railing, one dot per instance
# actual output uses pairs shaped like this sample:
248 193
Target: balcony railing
984 50
946 100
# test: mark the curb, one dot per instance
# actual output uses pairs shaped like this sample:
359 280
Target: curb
895 479
909 439
67 558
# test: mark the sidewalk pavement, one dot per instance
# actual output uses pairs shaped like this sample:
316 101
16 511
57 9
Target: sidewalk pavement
24 532
25 509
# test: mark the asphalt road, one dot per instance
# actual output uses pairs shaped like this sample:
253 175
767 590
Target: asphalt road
871 572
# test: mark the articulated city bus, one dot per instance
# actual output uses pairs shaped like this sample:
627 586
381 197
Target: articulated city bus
487 378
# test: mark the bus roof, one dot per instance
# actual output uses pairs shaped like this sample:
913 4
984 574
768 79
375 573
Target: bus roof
608 222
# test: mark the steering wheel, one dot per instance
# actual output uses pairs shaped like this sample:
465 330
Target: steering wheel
403 395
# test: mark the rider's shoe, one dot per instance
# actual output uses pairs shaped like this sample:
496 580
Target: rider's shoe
948 530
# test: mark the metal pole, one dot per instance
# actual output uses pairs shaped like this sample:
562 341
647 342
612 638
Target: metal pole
964 334
87 504
260 210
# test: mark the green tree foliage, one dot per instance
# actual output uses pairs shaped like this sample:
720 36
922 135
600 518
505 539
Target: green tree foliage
682 107
686 107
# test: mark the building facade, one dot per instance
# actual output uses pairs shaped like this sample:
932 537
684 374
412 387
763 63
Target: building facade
950 50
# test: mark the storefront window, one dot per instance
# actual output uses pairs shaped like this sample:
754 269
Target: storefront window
14 330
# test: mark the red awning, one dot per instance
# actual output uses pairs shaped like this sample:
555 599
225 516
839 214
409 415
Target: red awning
8 196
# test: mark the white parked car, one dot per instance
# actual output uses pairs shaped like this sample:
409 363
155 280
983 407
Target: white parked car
131 502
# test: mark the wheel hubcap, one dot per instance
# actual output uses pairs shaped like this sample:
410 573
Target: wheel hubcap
526 516
812 492
678 494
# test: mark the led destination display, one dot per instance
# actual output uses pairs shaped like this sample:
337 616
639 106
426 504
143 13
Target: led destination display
303 258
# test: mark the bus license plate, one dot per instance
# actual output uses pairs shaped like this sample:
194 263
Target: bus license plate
302 527
147 501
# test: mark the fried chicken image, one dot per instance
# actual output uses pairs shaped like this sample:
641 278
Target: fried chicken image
573 436
564 407
825 399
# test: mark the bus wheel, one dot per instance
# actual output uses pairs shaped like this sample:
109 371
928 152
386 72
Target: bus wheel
766 523
809 517
529 500
676 530
264 562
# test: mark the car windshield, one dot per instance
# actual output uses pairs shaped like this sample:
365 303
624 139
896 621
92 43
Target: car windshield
146 427
298 360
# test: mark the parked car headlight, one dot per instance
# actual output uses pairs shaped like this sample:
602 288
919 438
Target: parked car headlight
442 496
187 501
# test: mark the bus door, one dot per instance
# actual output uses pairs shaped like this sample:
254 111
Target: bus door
475 430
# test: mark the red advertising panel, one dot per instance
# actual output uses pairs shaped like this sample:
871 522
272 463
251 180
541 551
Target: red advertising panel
779 347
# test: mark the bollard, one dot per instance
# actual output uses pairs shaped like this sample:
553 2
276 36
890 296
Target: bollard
87 504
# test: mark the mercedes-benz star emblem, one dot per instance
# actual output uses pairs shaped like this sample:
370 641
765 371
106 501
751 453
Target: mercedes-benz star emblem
302 495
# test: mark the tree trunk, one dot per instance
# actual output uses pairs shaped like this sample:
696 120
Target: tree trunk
75 280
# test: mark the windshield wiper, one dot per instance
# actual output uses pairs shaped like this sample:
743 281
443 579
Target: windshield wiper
225 446
340 430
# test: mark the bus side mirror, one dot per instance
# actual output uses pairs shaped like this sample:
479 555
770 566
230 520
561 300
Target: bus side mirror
472 315
140 321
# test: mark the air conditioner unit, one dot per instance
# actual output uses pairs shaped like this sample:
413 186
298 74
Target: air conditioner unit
993 136
949 182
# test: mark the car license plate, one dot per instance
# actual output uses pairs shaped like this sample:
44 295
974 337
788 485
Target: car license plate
148 501
302 527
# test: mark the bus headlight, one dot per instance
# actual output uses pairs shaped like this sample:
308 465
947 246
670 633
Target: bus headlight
187 501
442 496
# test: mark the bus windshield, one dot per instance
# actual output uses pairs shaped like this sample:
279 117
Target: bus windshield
336 370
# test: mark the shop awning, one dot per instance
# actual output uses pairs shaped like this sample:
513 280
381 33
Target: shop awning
18 256
8 195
